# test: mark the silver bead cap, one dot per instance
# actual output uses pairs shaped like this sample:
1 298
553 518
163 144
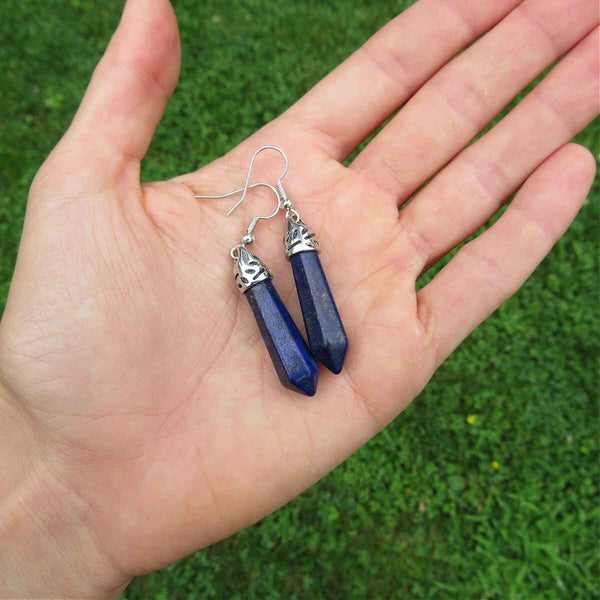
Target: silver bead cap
298 238
248 270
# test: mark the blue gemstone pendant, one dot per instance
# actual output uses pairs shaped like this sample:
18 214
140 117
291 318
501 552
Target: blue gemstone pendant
294 365
326 336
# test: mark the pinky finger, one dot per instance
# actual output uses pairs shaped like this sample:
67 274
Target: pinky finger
491 268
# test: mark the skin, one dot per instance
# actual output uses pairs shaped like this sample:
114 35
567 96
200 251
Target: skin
140 415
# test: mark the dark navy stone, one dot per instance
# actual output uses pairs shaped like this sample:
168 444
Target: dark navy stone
296 368
326 336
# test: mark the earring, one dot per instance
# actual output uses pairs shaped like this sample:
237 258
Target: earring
294 365
327 338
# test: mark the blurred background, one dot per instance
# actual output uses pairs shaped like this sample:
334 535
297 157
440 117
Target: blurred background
486 487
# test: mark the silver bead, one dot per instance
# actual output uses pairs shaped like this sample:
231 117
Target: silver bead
298 238
248 270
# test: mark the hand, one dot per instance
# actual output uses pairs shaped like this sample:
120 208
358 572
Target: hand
140 415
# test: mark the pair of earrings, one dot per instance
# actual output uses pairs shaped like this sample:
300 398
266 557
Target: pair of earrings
294 363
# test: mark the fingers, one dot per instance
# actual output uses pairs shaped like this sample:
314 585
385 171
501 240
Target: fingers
127 94
488 270
467 93
370 85
479 180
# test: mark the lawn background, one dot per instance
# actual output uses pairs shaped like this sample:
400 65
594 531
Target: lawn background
420 511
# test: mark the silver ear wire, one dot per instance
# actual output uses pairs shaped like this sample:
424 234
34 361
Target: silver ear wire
280 190
248 237
248 269
252 185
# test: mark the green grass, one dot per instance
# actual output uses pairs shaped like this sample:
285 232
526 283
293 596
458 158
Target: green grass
419 512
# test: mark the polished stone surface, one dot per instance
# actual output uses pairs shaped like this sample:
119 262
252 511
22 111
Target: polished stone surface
326 336
296 368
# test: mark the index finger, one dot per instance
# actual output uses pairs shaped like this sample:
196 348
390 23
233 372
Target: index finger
381 75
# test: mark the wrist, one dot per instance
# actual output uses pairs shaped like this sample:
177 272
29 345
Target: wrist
47 548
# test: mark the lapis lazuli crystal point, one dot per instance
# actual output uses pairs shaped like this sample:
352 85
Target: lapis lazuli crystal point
326 336
295 367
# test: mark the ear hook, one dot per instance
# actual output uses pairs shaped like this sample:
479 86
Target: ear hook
252 185
248 237
280 191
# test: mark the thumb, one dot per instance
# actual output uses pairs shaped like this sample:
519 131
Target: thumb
125 99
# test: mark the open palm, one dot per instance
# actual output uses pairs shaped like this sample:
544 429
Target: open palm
138 367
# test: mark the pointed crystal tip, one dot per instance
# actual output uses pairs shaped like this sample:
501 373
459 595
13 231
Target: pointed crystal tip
306 384
332 354
294 365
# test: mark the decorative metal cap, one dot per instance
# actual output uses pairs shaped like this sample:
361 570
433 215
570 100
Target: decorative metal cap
298 238
248 270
